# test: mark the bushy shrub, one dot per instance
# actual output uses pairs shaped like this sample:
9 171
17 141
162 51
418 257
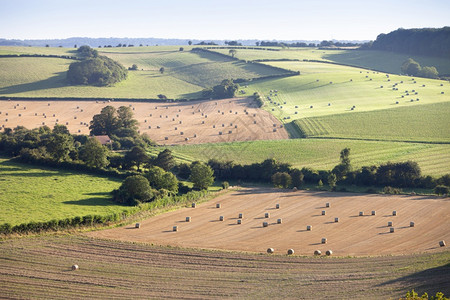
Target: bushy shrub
225 185
391 190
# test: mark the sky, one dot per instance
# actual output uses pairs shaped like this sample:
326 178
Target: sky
213 19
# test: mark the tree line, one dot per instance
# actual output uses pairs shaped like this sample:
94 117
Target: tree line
393 176
423 41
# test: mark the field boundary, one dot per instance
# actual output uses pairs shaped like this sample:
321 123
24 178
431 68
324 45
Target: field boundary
40 56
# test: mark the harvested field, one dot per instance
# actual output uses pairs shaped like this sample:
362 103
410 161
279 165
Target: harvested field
353 235
40 268
241 119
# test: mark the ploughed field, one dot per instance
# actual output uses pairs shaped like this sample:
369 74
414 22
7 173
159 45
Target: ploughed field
352 235
195 122
40 268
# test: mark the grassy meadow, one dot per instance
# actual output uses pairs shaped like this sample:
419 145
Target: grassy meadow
322 154
429 123
30 193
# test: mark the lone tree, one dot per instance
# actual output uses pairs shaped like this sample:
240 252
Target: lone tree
342 169
201 175
232 52
111 121
161 70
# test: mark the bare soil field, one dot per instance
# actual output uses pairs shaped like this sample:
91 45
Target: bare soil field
195 122
40 268
354 235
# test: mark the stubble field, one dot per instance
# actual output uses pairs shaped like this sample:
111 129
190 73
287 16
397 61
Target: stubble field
352 235
194 122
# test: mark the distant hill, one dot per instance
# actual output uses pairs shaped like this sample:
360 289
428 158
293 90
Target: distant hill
420 41
96 42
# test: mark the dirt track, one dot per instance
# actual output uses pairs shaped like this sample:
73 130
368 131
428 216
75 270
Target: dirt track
240 116
352 235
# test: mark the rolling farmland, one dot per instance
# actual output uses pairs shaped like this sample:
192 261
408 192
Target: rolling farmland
113 269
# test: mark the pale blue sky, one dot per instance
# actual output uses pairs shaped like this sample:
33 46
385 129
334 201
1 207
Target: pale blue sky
212 19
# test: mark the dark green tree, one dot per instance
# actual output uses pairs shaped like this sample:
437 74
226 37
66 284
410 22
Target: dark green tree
429 72
62 129
137 156
297 178
134 190
332 181
165 160
201 176
411 67
161 70
104 123
232 52
342 169
281 179
94 154
59 146
160 179
125 118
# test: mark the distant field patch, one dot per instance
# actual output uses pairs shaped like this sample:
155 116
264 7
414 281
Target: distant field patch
427 123
38 194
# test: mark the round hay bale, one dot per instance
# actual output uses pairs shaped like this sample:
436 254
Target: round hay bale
336 220
392 229
75 267
186 139
194 205
138 225
175 228
270 250
266 215
218 205
166 138
308 227
279 221
323 213
361 213
374 213
389 224
230 131
188 219
290 251
327 204
329 252
317 252
241 216
411 224
181 133
221 218
394 213
220 133
265 224
324 240
277 206
442 243
239 221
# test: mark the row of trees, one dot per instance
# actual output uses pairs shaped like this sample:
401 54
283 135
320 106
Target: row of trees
303 44
399 175
413 68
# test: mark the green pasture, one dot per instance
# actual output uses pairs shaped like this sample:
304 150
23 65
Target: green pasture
186 73
322 154
385 61
333 89
427 123
29 193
